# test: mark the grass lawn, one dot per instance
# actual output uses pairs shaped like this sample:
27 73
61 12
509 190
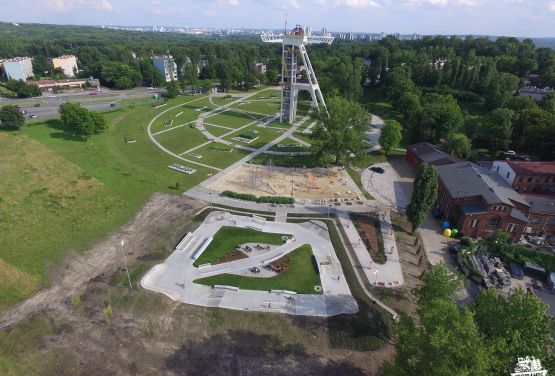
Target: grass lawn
227 238
219 155
263 107
216 131
356 178
292 146
268 94
301 276
284 161
181 139
231 119
376 103
185 115
378 156
264 135
60 192
304 137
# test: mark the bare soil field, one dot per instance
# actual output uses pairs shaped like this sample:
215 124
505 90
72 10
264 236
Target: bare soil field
90 323
301 183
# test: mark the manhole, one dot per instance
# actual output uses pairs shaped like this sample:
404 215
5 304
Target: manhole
318 288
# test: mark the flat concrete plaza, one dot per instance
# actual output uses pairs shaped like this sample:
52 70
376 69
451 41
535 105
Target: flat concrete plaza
175 276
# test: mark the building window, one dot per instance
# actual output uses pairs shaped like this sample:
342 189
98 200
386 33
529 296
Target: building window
497 168
551 221
529 180
525 189
474 223
517 189
512 227
521 179
508 175
494 221
536 220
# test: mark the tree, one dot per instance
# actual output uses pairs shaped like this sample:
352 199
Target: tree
409 104
172 89
424 194
81 121
398 82
11 118
498 129
340 130
459 145
119 75
439 283
516 325
391 135
548 103
20 89
438 119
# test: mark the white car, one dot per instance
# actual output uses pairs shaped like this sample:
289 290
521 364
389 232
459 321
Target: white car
33 116
510 152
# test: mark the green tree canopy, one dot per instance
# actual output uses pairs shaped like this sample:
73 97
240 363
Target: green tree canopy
424 194
497 130
459 145
11 118
81 121
340 131
391 135
172 89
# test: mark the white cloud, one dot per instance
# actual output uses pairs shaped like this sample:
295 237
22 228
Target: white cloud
356 3
552 6
104 5
233 3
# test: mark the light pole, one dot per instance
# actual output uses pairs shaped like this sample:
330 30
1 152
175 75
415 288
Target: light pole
122 243
375 272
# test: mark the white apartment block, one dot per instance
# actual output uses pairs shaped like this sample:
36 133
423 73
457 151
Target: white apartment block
67 63
166 66
18 68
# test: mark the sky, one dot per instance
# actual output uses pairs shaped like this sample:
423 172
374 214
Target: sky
525 18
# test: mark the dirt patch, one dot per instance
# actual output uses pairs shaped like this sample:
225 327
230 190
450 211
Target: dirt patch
281 264
369 230
232 256
301 183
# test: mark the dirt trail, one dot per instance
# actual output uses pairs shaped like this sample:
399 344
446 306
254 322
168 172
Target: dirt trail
159 213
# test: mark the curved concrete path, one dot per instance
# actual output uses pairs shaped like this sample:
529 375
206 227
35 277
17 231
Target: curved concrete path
175 276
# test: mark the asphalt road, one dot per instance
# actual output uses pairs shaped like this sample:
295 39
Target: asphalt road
49 102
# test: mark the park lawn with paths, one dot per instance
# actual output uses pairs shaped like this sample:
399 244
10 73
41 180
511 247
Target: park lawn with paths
285 161
292 146
231 119
54 181
355 175
378 156
259 107
219 155
181 139
186 115
301 276
264 136
227 238
267 94
216 131
302 136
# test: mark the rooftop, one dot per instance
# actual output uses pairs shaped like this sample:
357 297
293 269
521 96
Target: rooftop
532 168
541 204
431 154
16 59
466 179
65 57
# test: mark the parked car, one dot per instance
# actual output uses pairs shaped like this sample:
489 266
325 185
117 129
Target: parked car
37 104
33 116
379 170
510 152
17 106
23 112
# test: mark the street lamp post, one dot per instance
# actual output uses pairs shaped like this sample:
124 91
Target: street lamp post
375 272
122 243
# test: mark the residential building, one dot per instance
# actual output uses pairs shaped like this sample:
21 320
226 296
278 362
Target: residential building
527 176
426 152
166 66
535 93
67 63
54 85
258 67
542 215
478 201
18 68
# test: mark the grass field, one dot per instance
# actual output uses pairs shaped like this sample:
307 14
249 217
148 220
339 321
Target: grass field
288 141
232 119
53 182
301 276
264 135
219 155
181 139
260 106
227 238
216 131
357 179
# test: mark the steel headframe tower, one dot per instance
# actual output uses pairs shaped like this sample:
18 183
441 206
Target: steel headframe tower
293 45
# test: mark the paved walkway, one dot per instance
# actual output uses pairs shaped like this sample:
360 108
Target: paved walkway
388 274
175 276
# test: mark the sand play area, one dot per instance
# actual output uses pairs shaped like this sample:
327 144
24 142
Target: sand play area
307 183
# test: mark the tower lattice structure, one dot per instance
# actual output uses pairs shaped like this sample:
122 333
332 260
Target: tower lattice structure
292 79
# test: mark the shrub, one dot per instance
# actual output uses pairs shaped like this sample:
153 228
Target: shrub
261 199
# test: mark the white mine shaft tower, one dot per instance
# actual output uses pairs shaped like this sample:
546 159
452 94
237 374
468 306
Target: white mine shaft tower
291 73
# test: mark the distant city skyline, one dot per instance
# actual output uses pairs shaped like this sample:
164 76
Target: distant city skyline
522 18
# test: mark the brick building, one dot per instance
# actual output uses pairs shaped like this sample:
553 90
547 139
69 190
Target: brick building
528 177
542 215
426 152
478 201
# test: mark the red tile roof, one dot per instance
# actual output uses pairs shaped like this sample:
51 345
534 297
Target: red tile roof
532 168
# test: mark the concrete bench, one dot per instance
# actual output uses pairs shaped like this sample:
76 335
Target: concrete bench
225 287
185 242
201 248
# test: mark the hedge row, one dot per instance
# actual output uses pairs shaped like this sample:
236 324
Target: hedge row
519 254
261 199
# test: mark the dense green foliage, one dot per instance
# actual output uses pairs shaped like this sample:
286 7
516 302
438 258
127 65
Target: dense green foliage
391 135
261 199
20 89
459 145
81 121
424 194
340 131
11 118
484 338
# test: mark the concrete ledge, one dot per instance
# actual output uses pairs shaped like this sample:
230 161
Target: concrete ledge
279 255
185 242
201 248
287 292
224 287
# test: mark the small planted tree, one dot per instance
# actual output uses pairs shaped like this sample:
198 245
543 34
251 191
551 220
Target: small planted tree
11 118
424 194
390 136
